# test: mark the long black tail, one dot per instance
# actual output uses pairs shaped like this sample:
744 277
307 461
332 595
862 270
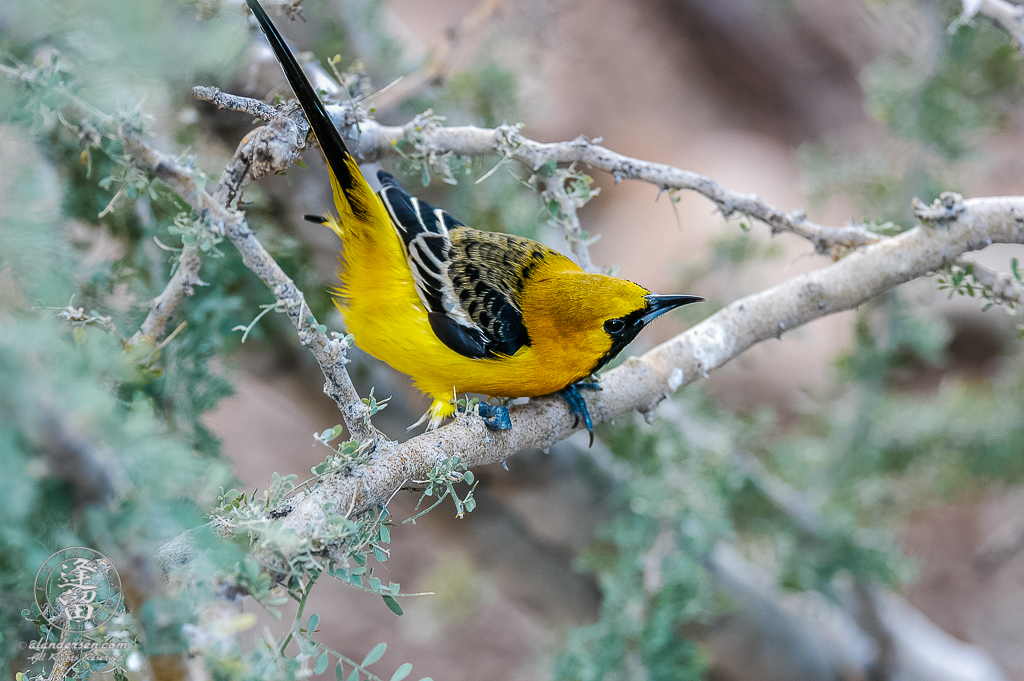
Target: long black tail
327 135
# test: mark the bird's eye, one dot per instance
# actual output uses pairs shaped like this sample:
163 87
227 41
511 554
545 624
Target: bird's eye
614 326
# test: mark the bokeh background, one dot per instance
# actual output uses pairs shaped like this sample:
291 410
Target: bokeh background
899 423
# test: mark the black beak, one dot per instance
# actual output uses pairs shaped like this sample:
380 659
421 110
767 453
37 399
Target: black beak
658 305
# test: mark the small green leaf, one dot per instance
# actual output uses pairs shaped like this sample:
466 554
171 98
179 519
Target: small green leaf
393 605
468 477
321 664
1015 267
401 672
379 554
354 676
339 672
375 654
314 620
394 587
374 583
385 534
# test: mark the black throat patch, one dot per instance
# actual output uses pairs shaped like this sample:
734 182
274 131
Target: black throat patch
634 325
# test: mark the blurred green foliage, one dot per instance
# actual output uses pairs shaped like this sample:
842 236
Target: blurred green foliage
940 95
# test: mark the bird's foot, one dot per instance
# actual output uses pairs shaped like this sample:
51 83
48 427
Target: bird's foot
578 406
495 416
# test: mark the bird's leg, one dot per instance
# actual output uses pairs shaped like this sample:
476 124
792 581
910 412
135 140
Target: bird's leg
578 406
495 416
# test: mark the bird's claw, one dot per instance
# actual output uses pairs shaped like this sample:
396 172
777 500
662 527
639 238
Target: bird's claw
495 416
578 406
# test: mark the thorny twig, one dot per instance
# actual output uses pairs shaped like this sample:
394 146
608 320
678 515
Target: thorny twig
1004 287
569 201
375 141
268 149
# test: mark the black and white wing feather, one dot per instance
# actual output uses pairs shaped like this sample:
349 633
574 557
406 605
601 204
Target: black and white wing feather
467 279
425 232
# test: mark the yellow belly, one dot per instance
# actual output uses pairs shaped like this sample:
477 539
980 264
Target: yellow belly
400 335
384 313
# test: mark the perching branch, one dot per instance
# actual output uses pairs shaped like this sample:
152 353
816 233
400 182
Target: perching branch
640 383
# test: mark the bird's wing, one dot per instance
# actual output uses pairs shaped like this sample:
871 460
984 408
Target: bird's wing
425 232
468 279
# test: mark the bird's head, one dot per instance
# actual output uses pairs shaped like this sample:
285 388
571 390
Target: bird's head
599 314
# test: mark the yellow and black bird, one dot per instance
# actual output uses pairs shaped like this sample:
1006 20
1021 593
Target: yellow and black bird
459 309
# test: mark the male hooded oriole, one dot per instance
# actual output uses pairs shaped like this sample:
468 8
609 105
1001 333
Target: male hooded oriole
456 308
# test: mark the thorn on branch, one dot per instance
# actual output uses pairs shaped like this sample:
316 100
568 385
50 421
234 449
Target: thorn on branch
728 209
942 210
